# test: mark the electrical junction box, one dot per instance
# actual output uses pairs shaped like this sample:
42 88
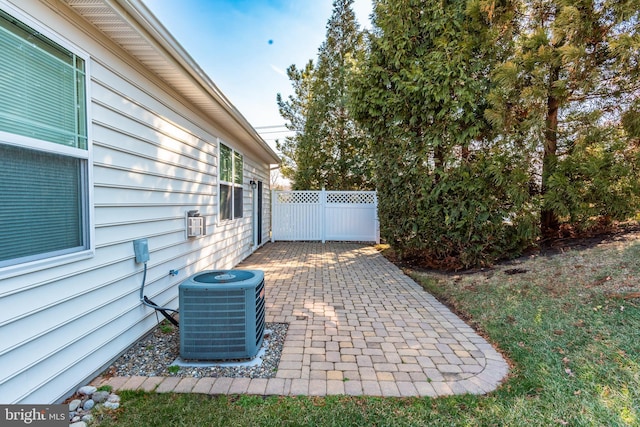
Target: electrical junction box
141 249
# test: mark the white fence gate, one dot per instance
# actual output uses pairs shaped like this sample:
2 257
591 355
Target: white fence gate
325 215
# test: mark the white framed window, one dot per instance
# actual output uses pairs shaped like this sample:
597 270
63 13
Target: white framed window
44 147
231 178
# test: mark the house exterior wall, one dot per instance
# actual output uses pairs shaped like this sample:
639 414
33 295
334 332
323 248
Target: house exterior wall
153 158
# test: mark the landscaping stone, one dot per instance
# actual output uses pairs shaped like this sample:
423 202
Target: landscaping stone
87 390
154 354
74 404
88 405
100 396
111 405
80 409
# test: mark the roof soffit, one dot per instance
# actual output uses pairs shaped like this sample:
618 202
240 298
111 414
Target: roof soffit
133 27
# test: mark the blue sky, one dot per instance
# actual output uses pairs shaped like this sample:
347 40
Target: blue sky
245 46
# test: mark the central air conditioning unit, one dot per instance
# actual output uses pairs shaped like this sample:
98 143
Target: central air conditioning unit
222 315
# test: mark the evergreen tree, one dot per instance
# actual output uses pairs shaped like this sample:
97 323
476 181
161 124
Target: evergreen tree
495 120
295 111
572 77
446 184
329 149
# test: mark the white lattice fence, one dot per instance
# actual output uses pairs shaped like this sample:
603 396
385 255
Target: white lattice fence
325 215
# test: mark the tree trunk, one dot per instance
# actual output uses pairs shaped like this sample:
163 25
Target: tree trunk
549 224
465 152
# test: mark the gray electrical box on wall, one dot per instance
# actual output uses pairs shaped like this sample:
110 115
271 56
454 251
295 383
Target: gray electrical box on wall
195 224
141 250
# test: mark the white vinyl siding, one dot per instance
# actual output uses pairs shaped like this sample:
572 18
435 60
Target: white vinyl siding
153 158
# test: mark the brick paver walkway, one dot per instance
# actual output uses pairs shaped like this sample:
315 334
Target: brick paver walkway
357 326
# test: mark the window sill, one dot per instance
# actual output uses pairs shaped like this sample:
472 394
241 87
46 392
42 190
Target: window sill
43 264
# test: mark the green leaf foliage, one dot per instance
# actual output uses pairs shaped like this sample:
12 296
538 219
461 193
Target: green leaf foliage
294 111
493 122
450 192
598 182
329 149
567 92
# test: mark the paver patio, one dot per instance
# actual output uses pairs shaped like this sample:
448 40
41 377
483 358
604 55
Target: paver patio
357 326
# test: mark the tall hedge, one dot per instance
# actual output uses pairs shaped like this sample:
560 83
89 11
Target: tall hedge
493 122
450 192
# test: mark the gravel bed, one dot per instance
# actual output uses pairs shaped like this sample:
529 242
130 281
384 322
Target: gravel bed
156 355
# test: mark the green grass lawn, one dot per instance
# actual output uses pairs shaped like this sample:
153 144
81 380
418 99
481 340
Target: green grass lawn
566 322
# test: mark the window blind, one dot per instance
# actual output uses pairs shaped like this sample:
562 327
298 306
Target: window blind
41 208
42 86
